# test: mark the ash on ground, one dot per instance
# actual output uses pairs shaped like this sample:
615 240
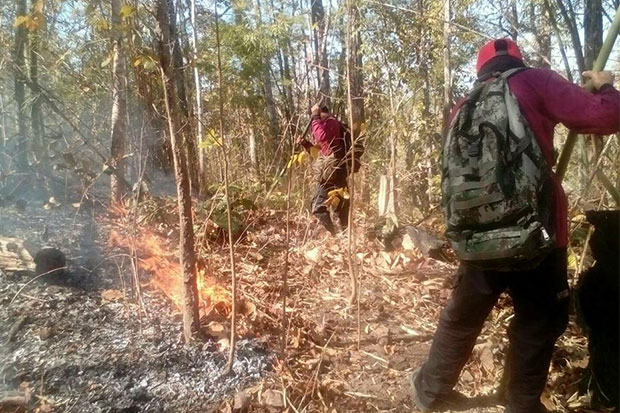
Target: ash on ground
81 344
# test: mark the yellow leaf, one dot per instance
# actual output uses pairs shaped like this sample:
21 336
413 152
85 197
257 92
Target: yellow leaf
572 261
101 24
127 11
38 6
363 128
211 139
21 20
137 62
106 61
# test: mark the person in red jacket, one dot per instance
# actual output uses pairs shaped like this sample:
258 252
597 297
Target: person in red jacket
540 296
330 168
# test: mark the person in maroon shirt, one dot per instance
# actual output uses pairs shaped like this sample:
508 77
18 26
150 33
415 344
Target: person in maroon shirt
540 296
331 169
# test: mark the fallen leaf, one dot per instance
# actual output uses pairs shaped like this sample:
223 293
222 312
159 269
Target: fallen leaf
313 255
109 296
272 398
486 358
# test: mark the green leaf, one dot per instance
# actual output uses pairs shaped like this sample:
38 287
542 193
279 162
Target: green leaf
220 218
243 203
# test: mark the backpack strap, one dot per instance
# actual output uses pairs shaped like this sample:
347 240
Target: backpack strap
507 73
504 75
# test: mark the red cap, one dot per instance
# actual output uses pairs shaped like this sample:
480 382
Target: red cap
495 48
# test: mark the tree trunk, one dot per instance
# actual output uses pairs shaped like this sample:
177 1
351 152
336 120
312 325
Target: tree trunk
188 138
593 40
356 119
270 104
197 91
513 18
231 244
119 105
392 204
574 34
593 31
540 21
252 144
272 113
21 158
558 35
36 116
320 49
186 225
447 75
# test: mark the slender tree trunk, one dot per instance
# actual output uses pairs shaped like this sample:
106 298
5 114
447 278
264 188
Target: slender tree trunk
393 183
186 225
3 136
21 159
558 35
272 113
188 138
197 91
320 46
540 21
513 18
356 118
119 105
36 116
270 103
593 31
252 143
593 40
231 244
574 34
447 74
569 17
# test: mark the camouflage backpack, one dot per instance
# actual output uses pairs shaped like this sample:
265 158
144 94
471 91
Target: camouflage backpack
496 193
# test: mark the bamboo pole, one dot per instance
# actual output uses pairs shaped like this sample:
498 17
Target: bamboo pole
599 65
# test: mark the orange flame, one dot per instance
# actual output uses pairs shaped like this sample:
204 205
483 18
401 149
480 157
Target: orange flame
154 258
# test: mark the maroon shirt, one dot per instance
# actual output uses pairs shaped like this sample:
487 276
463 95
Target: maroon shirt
328 134
546 99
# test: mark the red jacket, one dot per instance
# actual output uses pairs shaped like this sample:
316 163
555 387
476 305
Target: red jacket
546 99
328 134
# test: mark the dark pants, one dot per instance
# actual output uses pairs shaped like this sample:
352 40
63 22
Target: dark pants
540 299
322 212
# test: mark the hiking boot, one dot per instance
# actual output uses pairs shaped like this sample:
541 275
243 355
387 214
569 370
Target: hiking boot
450 401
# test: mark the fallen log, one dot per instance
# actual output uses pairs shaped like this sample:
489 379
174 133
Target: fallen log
14 256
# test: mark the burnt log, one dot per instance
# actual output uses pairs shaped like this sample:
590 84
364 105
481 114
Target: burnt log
50 261
597 300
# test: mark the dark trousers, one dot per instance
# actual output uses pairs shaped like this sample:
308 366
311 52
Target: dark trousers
322 212
540 299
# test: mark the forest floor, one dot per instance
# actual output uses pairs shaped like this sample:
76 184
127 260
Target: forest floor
106 338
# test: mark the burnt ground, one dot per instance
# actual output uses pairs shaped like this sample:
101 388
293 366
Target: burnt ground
79 343
89 344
